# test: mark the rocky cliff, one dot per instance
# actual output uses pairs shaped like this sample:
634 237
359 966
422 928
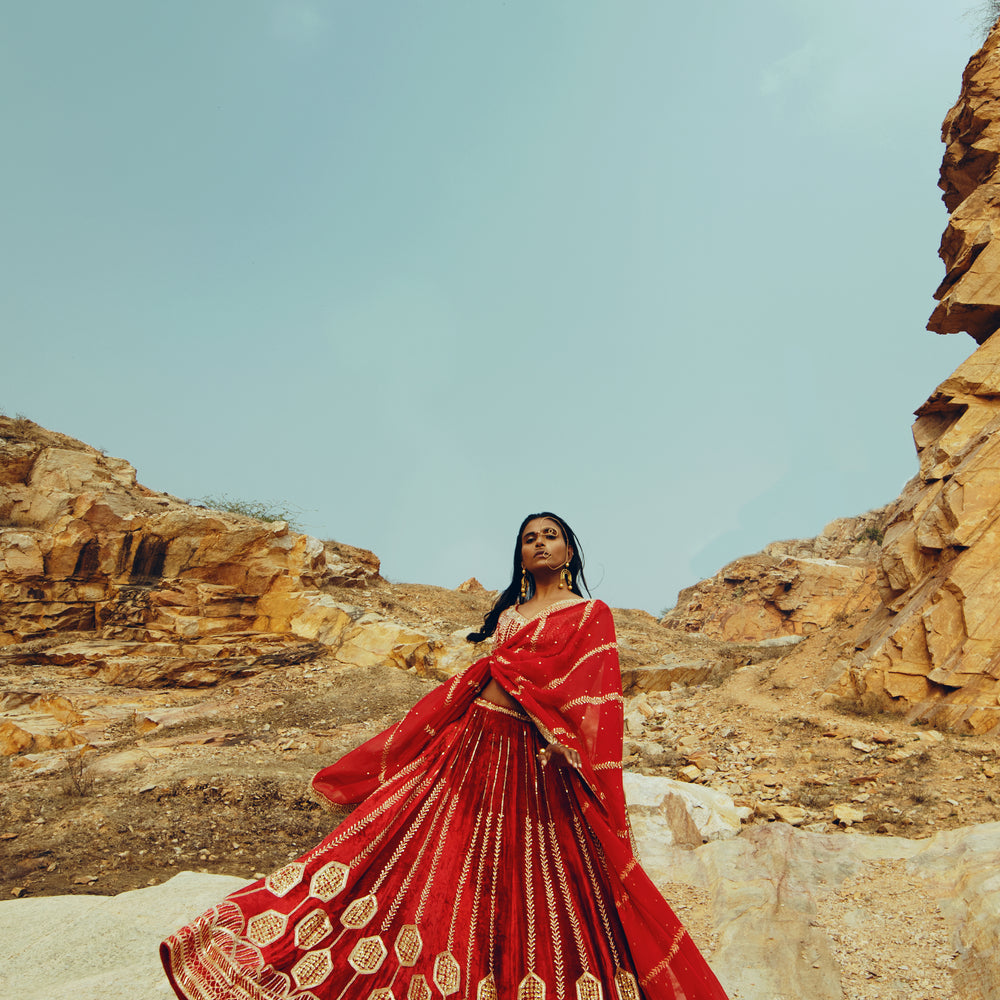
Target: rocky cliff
105 578
924 571
793 588
932 649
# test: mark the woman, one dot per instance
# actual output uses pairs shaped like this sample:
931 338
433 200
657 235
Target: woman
490 855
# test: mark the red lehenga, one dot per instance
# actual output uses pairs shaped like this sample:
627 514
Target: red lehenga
468 870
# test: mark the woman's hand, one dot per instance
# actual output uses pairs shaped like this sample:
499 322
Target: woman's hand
568 754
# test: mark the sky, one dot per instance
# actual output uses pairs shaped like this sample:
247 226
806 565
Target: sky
413 270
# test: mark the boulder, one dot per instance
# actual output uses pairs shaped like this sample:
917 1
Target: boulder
665 812
106 948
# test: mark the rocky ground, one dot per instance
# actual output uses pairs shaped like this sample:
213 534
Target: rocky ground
216 779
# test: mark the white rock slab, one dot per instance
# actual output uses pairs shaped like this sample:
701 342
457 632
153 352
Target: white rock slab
762 889
665 812
99 947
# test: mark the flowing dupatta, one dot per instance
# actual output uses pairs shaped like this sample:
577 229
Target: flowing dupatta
562 667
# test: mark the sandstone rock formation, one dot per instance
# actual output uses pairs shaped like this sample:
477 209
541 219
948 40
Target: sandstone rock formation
792 588
925 569
84 547
933 649
970 292
108 579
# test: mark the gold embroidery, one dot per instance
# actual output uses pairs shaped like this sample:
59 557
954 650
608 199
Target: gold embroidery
383 993
632 862
529 893
312 969
502 709
447 974
662 965
487 988
385 752
596 888
539 629
495 867
546 733
603 648
347 830
531 988
628 989
367 955
285 879
567 898
419 990
266 927
588 988
311 929
408 945
492 809
550 900
436 858
432 798
360 912
545 612
329 881
594 699
678 937
609 765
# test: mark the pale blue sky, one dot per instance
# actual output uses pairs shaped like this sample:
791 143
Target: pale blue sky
419 268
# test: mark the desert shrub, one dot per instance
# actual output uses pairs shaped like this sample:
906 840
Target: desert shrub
985 16
874 533
18 428
256 509
81 780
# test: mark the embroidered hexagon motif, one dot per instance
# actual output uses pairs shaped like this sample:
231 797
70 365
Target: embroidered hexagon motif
311 929
266 927
368 955
531 988
408 945
588 987
328 881
447 974
359 912
312 969
628 988
419 990
487 988
285 879
381 994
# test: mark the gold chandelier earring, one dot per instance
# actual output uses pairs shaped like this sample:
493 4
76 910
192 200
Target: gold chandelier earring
524 585
566 578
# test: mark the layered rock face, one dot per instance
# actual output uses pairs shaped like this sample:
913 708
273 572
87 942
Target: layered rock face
792 588
930 648
970 293
163 590
933 649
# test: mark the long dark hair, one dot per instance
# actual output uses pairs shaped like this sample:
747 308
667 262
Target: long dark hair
509 597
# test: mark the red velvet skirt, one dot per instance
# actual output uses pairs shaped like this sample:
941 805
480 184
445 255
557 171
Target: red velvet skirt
471 874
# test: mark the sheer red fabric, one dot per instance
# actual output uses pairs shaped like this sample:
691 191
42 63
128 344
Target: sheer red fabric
562 667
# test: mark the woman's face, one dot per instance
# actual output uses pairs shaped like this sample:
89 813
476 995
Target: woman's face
543 546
